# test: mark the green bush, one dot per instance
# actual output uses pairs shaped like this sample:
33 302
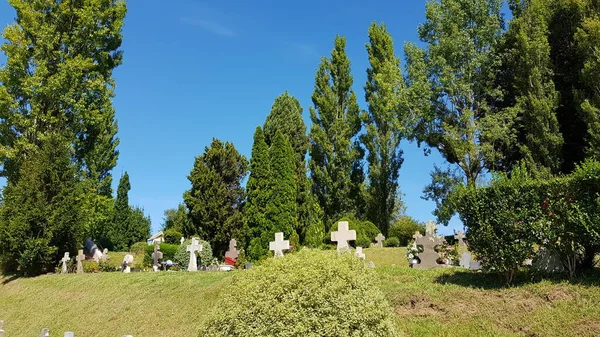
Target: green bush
182 256
90 266
38 254
310 293
172 236
391 242
404 228
169 251
138 248
366 231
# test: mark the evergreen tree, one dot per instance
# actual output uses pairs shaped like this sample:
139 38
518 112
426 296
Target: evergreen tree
383 92
286 117
334 157
216 196
40 217
139 226
177 218
122 215
258 195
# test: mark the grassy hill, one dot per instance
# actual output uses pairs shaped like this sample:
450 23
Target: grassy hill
447 302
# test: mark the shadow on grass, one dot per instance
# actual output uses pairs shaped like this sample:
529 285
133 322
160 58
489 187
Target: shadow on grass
9 278
483 280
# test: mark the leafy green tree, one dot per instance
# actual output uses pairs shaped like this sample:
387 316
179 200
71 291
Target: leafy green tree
286 117
215 198
335 124
384 130
404 228
58 77
40 217
176 218
139 226
122 214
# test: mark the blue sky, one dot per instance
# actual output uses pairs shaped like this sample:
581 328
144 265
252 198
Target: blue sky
194 70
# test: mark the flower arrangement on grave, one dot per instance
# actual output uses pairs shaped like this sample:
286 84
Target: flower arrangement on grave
448 254
412 251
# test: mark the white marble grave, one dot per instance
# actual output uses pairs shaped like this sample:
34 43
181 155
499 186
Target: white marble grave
232 253
64 261
80 258
127 262
359 253
279 245
342 236
192 249
379 238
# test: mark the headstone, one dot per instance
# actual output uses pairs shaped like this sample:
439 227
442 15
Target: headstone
193 248
417 236
157 255
429 256
64 261
127 262
430 228
465 260
1 328
379 238
232 253
460 236
547 261
475 265
181 241
360 253
370 264
91 250
80 258
45 332
279 245
69 334
248 265
104 257
225 267
342 236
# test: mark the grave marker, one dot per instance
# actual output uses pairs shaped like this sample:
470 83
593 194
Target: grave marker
232 253
64 261
45 332
379 238
460 236
465 260
127 262
279 245
429 256
342 236
193 248
1 328
157 255
359 253
80 258
69 334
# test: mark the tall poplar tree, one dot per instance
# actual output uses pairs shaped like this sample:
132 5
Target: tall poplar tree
335 157
384 128
122 214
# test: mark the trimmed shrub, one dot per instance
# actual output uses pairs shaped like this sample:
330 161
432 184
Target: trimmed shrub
404 228
138 248
182 256
366 231
172 236
288 297
90 266
391 242
167 249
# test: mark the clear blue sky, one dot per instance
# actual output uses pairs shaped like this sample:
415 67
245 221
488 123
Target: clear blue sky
194 70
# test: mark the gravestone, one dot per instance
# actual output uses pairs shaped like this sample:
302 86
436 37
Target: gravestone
69 334
547 261
1 328
360 253
248 265
429 256
127 262
232 254
64 261
181 241
104 257
417 236
370 264
475 265
157 255
465 260
279 245
80 258
460 236
193 248
379 238
45 332
342 236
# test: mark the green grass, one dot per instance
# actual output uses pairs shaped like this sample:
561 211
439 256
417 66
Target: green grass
445 302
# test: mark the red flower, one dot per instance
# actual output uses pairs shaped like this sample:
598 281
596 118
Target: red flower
545 205
551 213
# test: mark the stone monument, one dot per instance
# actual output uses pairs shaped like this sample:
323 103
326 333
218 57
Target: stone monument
232 254
157 255
64 261
193 248
465 260
279 245
429 256
127 262
379 238
359 253
460 236
80 258
45 332
342 236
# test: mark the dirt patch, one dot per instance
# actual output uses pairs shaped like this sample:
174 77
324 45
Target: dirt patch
558 294
588 327
419 305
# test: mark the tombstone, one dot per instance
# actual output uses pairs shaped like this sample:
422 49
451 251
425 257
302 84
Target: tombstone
342 236
157 255
379 238
475 265
465 260
69 334
370 264
248 265
417 236
279 245
104 257
127 262
460 236
1 328
547 261
232 253
64 261
360 253
80 258
429 256
193 248
225 267
430 228
45 332
181 241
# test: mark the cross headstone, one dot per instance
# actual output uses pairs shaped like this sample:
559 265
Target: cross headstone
379 238
80 258
465 260
1 328
193 248
279 245
157 255
343 235
181 241
359 253
460 236
475 265
232 253
429 256
69 334
104 255
430 228
45 332
417 236
127 262
64 261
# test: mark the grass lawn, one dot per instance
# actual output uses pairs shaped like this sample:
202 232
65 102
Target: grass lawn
447 302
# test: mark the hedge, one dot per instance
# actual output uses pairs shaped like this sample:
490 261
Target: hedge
167 249
366 231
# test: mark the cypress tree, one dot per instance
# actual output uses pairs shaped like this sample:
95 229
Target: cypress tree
122 214
334 157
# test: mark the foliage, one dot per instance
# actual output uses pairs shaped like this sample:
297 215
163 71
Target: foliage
384 126
169 251
90 266
391 242
315 233
300 301
216 196
182 256
172 236
366 231
138 248
122 214
139 225
335 155
404 228
176 219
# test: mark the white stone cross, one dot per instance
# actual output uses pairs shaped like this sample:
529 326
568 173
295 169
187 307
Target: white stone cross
193 248
379 238
181 241
64 261
360 253
279 245
343 235
80 258
460 236
45 332
232 253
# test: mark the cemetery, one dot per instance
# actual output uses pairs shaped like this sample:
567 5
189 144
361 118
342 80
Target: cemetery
434 175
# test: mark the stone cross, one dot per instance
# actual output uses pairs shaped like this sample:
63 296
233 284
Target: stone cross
343 235
80 258
460 236
45 332
379 238
417 236
127 261
64 261
279 245
465 260
181 241
193 248
157 255
429 256
360 253
104 255
430 228
232 253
